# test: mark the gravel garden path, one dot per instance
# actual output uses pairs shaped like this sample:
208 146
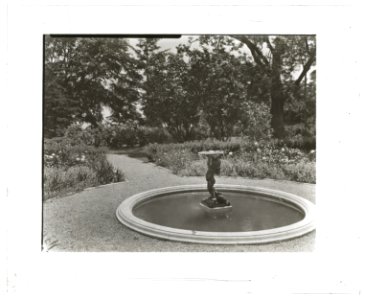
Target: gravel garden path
86 221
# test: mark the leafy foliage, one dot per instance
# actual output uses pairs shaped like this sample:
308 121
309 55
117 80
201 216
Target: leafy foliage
280 59
255 120
212 86
155 151
71 167
59 108
128 135
166 99
219 84
248 158
85 74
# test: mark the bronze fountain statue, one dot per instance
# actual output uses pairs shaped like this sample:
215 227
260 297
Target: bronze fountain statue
215 201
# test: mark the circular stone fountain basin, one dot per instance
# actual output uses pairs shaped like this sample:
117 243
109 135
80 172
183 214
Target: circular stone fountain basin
258 215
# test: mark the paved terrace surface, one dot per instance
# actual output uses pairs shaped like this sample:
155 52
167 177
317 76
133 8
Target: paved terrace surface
86 221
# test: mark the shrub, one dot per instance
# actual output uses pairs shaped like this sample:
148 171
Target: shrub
253 159
105 172
244 169
301 142
61 180
195 168
88 136
66 152
155 152
121 136
98 136
146 135
255 121
197 146
302 172
129 135
228 168
172 156
70 167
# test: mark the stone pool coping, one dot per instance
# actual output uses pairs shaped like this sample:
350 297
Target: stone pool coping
304 226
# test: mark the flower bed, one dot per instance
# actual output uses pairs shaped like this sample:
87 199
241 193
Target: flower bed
264 159
71 167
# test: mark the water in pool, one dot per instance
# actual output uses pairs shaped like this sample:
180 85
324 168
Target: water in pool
251 212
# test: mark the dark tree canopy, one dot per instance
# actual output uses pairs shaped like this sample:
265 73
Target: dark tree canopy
213 85
87 74
166 99
277 58
219 84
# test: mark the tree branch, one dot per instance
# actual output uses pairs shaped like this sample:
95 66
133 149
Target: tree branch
306 45
255 51
306 67
270 45
257 59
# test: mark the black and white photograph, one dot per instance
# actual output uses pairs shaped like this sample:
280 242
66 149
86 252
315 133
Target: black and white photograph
182 149
179 143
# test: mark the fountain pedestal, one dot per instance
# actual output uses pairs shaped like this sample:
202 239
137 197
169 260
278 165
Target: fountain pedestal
215 204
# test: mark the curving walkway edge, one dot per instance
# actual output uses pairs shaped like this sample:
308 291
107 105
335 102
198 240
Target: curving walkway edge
86 221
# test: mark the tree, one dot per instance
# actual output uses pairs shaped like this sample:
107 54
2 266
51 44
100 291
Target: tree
278 58
218 83
91 73
59 109
166 99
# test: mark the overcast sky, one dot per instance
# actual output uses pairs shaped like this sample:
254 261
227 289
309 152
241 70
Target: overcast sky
168 43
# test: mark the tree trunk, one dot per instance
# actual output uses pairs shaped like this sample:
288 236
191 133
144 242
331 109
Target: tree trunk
277 98
277 92
277 109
